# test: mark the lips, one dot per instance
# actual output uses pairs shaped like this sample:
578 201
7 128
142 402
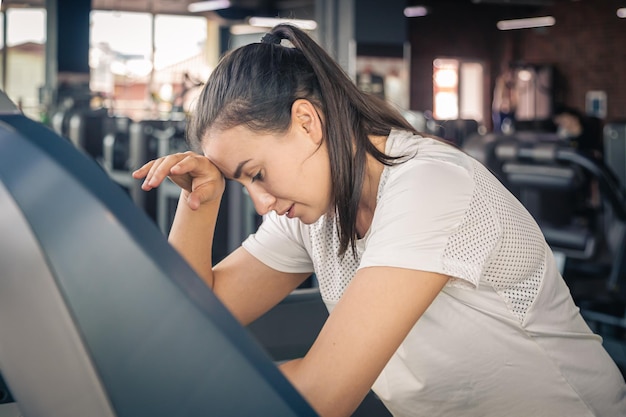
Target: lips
288 212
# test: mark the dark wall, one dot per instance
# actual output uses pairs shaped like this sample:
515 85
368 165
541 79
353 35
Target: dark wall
586 46
455 30
72 35
376 24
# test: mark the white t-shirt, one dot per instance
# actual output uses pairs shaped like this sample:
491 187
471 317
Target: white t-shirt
504 337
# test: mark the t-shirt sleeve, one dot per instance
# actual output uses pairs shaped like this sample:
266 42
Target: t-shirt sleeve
424 204
279 244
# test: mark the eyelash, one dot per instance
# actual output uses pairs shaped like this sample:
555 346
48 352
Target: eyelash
257 177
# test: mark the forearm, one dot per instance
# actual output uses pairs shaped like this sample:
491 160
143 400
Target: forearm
375 314
192 235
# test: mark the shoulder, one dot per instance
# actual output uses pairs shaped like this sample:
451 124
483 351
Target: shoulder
425 195
411 147
426 165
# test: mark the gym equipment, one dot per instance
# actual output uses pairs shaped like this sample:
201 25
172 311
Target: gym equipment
614 138
99 315
538 167
87 127
5 394
453 130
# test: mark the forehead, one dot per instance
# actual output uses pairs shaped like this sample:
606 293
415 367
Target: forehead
224 150
220 143
230 147
236 139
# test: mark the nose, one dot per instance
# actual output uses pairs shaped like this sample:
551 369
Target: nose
262 200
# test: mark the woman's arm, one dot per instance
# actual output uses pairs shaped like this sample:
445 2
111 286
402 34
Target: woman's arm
250 288
375 314
246 286
202 187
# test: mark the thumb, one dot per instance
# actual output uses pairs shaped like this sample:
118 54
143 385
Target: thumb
193 200
205 193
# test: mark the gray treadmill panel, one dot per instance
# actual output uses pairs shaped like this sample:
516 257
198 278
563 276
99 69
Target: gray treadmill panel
158 339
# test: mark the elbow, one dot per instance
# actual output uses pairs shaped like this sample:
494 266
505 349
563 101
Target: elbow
326 398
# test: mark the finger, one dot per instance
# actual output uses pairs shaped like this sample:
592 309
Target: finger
208 191
189 163
142 171
153 178
168 166
194 200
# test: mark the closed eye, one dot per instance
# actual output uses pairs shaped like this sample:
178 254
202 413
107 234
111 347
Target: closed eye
257 177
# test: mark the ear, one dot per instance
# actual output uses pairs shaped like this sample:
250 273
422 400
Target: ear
306 120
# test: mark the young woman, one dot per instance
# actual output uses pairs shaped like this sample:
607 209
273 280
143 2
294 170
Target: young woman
444 297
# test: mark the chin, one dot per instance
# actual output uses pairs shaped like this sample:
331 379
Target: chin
307 220
310 219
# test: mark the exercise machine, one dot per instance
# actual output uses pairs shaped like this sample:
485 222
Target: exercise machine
99 315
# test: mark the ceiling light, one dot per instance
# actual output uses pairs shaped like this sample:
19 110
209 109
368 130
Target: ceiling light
531 22
208 5
244 29
621 12
415 11
268 22
518 2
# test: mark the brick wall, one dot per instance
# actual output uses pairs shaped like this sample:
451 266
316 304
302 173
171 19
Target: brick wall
587 46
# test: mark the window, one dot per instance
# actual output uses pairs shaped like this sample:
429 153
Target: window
457 89
120 59
180 62
145 77
25 58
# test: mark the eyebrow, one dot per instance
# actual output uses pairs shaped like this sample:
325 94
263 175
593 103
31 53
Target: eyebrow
237 173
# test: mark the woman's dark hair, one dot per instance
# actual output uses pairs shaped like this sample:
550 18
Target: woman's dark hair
256 85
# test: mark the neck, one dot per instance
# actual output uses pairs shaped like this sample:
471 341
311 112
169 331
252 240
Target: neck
369 192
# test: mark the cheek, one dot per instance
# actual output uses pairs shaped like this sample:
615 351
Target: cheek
316 172
319 186
303 175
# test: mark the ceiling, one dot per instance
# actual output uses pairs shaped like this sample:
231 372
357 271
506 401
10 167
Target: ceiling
303 9
239 8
